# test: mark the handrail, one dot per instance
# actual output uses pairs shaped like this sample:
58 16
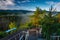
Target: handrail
58 37
21 37
14 36
55 36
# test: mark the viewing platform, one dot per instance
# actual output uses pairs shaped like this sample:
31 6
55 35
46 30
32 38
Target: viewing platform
31 34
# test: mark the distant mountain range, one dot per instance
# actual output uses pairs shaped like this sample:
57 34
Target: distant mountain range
16 11
22 11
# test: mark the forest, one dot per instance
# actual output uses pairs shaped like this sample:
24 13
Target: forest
48 21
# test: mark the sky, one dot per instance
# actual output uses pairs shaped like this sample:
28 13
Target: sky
29 4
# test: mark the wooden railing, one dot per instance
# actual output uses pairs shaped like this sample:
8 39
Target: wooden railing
16 36
55 37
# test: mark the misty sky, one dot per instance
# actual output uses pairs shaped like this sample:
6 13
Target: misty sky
29 4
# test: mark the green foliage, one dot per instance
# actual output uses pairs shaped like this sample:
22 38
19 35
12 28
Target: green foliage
31 26
12 25
36 17
38 11
3 34
44 11
4 13
50 25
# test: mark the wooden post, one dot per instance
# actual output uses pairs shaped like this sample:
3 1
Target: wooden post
15 38
33 34
58 38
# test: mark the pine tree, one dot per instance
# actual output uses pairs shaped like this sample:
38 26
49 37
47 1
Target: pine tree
36 17
50 11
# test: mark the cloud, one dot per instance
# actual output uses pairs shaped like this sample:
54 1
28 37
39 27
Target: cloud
5 3
57 6
54 4
51 3
24 1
